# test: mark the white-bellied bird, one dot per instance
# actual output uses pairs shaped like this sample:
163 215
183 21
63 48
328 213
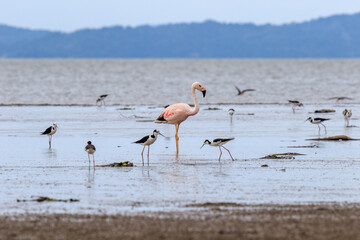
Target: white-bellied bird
50 131
148 140
90 149
318 121
219 142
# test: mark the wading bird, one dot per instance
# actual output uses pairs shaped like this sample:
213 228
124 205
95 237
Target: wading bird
231 112
243 91
90 149
101 99
318 121
295 104
50 131
179 112
347 115
219 142
148 140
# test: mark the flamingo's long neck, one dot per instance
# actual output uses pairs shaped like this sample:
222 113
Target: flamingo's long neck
195 110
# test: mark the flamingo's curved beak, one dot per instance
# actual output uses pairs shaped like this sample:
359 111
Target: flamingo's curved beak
203 90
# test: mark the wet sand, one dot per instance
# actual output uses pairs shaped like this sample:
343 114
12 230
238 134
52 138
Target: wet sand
211 221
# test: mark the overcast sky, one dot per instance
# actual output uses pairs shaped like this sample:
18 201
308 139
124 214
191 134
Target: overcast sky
70 15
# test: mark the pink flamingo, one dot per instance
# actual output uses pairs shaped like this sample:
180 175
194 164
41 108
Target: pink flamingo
179 112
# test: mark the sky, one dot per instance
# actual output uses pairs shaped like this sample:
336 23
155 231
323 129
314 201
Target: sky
71 15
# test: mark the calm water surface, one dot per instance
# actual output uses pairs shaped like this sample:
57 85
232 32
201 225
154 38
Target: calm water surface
169 81
28 168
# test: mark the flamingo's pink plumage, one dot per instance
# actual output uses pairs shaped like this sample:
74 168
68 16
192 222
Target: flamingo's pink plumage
179 112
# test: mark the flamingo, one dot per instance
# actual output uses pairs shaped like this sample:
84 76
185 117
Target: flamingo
179 112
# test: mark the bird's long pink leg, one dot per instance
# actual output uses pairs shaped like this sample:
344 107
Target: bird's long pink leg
319 128
324 127
293 108
89 159
143 151
148 151
177 139
220 153
229 153
94 160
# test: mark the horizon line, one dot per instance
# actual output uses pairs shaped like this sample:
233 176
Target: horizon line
183 22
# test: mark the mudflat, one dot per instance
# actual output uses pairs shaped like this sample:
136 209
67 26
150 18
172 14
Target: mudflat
201 221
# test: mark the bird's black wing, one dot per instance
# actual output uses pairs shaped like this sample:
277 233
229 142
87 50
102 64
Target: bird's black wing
47 131
144 139
293 101
222 139
104 95
321 119
239 91
249 90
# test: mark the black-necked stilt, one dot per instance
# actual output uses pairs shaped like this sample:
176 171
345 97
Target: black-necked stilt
90 149
148 140
101 99
219 142
50 131
231 112
318 121
243 91
347 115
295 104
340 98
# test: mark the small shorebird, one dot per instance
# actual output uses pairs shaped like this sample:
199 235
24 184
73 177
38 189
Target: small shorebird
243 91
50 131
295 104
318 121
179 112
347 115
231 112
148 140
90 149
340 98
219 142
101 99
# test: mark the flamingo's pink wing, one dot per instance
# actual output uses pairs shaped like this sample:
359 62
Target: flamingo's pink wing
174 114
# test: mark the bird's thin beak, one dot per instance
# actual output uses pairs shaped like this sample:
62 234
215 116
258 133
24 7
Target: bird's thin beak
202 146
162 135
203 90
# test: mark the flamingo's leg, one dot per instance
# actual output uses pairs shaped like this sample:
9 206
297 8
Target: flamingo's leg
220 153
177 139
324 127
229 153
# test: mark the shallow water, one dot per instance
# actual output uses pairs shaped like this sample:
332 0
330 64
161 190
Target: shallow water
28 168
168 81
